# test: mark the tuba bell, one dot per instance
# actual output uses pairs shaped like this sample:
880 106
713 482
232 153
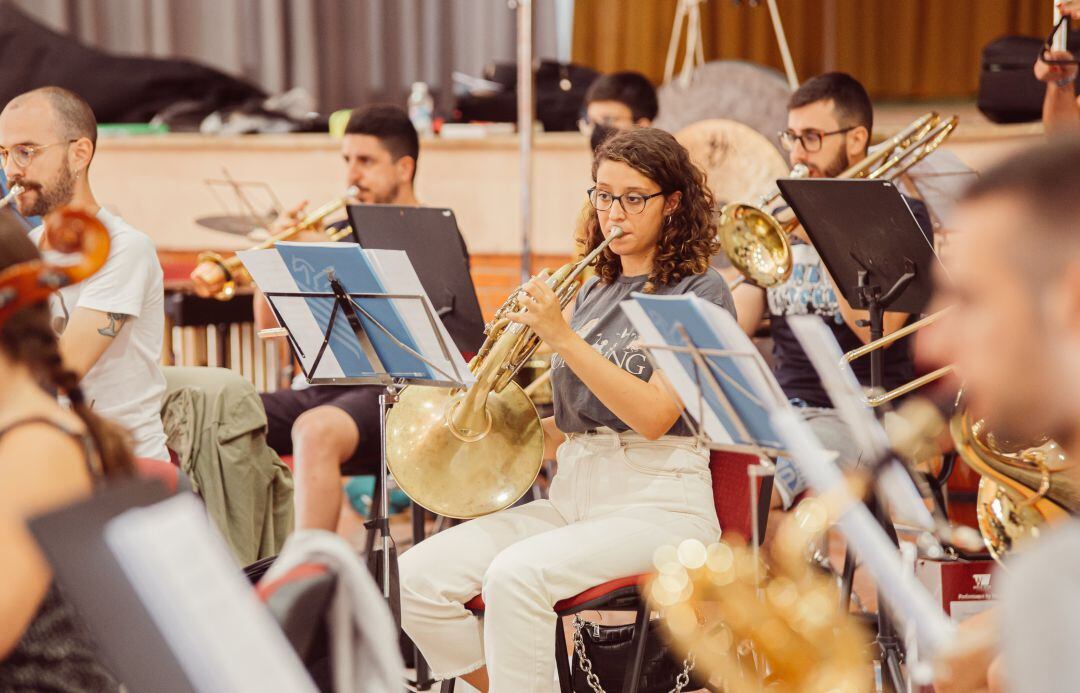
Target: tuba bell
1021 487
464 454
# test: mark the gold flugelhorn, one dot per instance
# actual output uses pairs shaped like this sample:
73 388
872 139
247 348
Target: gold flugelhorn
464 454
756 242
1021 487
213 270
14 192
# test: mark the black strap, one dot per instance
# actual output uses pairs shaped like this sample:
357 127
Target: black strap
83 439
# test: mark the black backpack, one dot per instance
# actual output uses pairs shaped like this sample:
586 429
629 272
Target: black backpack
1008 90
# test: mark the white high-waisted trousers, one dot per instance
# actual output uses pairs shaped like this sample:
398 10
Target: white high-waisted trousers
615 499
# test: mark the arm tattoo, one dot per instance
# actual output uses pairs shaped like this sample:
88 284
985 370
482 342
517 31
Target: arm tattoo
116 321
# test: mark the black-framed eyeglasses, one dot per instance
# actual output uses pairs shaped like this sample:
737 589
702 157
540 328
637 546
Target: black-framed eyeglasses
23 154
811 140
1046 55
632 203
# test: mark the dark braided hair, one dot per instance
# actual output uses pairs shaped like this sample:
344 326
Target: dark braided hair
28 338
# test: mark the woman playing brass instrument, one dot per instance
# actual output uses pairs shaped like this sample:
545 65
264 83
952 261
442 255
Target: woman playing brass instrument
630 478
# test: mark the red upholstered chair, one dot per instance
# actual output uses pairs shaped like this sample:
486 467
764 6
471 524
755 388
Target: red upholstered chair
731 497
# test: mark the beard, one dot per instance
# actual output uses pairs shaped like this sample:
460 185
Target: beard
368 196
46 199
837 165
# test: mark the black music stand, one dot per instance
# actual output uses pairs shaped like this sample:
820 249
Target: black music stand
433 243
871 243
880 259
346 304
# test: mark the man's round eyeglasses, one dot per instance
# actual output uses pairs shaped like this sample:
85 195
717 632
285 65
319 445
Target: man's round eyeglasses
23 154
811 140
632 203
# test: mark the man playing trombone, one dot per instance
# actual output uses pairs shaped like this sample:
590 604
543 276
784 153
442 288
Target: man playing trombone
830 119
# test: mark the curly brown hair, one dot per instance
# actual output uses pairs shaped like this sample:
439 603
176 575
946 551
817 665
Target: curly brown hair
689 236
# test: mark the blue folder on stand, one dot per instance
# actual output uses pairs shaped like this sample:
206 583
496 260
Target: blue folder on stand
311 265
747 390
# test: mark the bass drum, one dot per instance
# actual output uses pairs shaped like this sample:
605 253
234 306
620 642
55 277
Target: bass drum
739 163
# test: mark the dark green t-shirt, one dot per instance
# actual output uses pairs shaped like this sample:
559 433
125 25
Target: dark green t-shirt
600 321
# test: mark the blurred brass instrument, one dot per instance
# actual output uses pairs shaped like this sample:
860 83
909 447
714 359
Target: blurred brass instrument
785 633
756 241
1021 487
465 454
213 269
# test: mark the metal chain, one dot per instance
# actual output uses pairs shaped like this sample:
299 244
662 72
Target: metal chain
681 681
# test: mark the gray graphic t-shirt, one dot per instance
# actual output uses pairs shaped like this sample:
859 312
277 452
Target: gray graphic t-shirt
600 321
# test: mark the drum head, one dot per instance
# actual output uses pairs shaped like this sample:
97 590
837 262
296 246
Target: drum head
739 163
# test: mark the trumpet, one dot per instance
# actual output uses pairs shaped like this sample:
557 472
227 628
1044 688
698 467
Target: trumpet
218 276
15 191
756 242
464 454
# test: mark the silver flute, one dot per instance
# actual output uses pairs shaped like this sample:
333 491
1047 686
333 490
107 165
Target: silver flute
15 191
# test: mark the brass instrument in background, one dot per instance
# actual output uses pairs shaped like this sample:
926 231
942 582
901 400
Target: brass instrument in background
757 242
876 399
465 454
1021 487
213 269
786 632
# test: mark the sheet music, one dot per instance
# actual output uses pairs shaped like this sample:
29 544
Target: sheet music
682 381
271 275
200 601
744 381
399 277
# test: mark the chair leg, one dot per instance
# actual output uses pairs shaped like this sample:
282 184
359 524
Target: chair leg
562 664
633 667
447 686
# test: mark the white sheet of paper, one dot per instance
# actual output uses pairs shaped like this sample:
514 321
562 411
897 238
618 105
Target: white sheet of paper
399 277
268 271
683 382
223 637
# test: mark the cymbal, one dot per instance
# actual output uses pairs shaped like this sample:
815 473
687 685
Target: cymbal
236 224
739 163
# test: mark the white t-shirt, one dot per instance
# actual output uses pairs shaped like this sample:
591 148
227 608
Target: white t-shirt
126 384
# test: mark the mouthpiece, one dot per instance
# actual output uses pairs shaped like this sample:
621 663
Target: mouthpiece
616 231
15 191
799 171
352 192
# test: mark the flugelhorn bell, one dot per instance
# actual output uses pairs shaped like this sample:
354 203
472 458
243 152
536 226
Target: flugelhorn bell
468 453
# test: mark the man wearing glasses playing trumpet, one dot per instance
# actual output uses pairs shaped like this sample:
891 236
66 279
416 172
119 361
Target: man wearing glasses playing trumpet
330 428
830 119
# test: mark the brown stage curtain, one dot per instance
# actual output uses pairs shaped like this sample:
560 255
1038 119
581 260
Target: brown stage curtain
900 49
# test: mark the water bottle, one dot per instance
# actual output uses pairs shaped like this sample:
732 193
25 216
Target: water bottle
421 108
